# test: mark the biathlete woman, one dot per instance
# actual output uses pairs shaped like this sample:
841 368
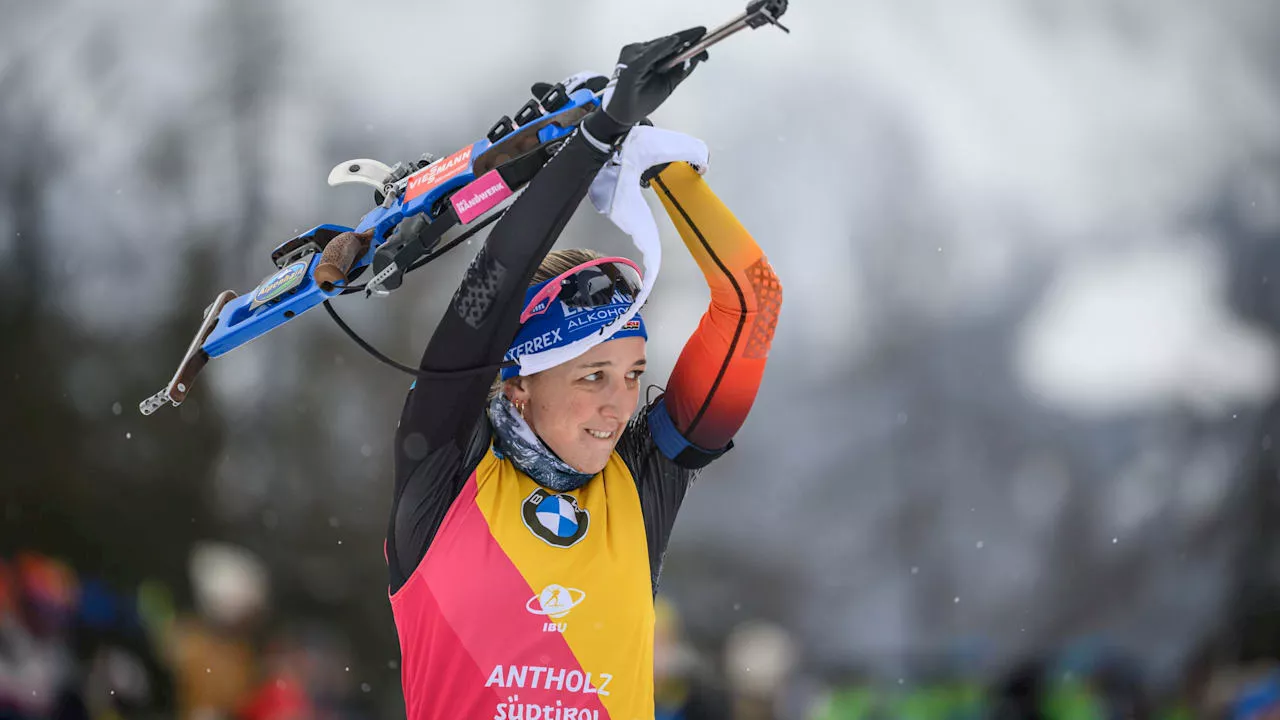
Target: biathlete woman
531 515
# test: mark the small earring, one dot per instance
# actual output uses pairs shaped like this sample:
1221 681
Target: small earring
520 409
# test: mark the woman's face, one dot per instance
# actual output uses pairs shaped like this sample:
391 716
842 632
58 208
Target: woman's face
580 408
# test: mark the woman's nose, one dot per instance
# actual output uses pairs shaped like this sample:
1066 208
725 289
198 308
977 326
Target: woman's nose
615 401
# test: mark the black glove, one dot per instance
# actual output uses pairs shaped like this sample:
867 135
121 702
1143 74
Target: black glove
639 87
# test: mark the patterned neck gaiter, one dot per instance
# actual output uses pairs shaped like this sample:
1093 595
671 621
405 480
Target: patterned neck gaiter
514 439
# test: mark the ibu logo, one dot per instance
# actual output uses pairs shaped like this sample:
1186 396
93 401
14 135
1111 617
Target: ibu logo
555 602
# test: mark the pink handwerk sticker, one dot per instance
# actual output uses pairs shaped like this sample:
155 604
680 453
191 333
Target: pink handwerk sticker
480 196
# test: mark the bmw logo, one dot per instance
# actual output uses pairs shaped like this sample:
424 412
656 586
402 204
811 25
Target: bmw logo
556 519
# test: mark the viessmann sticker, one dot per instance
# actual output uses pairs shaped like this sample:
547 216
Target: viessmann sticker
437 173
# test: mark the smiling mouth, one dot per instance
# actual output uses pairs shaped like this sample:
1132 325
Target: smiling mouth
600 434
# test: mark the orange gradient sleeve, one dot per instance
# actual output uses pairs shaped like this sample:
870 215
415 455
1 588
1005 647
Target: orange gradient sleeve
715 380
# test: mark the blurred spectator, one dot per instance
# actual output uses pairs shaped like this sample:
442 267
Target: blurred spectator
1259 700
759 659
685 688
1119 684
306 676
326 657
211 650
118 684
282 695
38 674
1020 695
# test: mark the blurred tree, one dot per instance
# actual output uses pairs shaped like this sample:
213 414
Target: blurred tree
1252 239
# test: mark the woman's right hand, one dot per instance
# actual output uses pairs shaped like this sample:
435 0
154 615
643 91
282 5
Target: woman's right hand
639 86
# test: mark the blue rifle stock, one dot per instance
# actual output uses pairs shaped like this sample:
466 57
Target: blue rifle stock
513 150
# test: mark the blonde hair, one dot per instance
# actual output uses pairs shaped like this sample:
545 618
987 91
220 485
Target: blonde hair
555 263
562 261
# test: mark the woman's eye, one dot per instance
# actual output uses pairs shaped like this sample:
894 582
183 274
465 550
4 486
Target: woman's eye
592 377
635 374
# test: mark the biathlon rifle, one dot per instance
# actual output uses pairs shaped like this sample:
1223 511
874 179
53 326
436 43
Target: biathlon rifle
423 209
